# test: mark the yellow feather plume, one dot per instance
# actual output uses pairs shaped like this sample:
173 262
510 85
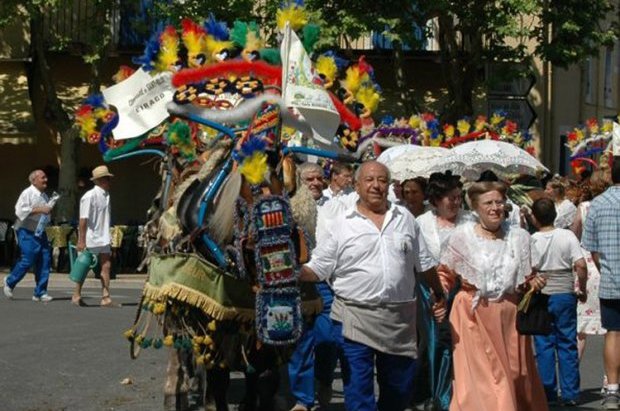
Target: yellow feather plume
354 79
254 168
327 66
217 46
169 49
369 97
295 15
253 42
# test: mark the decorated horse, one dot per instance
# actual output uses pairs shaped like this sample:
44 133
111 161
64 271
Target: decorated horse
230 226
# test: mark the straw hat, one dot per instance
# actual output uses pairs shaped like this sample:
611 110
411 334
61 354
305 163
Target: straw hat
100 172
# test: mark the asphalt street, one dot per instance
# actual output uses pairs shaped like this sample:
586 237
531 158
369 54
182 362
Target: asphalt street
58 357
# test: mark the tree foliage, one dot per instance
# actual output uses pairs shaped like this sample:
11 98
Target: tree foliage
58 118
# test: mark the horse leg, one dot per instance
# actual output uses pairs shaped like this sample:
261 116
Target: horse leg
262 384
218 381
268 383
176 386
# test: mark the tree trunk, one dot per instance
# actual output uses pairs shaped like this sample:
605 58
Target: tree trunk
59 122
409 105
458 69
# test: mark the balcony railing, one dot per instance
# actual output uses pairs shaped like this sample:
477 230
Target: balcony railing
76 25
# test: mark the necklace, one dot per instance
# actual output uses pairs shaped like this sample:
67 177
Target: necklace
487 233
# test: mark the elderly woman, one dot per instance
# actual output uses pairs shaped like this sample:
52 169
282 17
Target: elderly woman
445 195
494 367
565 209
413 195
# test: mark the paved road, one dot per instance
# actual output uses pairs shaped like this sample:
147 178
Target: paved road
57 357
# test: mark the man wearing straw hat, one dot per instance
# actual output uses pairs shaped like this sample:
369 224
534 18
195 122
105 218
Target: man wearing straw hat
94 231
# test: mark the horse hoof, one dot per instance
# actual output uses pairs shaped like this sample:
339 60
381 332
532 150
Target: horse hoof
176 402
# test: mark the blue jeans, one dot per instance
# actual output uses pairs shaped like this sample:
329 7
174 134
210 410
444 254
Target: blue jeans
563 343
394 376
34 250
316 353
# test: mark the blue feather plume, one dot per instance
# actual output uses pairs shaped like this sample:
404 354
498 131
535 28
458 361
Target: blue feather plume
151 50
95 100
251 145
217 29
341 63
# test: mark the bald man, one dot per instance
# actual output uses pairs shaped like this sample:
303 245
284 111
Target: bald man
31 205
371 258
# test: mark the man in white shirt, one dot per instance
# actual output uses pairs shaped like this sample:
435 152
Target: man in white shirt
315 355
371 255
94 231
31 205
340 180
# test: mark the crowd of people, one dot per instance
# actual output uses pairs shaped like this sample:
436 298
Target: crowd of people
422 278
420 282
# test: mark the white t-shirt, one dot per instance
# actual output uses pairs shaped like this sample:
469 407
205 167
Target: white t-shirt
95 207
556 252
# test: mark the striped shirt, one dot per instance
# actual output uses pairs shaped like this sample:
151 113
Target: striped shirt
601 234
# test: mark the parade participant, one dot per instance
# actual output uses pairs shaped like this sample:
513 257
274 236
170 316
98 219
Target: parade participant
494 366
340 180
32 210
446 198
589 311
601 238
94 232
565 209
445 194
559 252
370 258
316 354
413 193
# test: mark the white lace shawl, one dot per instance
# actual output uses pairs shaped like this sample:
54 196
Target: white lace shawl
431 231
494 267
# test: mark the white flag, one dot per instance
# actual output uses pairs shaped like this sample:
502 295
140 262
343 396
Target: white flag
303 91
140 101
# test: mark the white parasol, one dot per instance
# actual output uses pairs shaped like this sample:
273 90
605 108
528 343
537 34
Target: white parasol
471 159
412 160
388 155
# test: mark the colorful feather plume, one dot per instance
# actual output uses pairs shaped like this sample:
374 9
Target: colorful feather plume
341 63
254 168
369 98
292 13
252 159
151 50
194 39
95 119
169 50
123 73
326 66
216 29
179 136
240 32
310 36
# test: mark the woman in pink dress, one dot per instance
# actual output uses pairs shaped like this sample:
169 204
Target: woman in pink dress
494 366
